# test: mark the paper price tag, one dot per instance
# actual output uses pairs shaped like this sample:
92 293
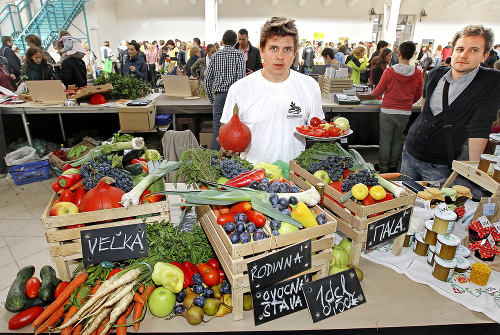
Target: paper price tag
483 220
497 226
491 241
343 140
489 208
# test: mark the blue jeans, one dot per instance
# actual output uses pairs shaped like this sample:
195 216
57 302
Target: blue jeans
420 170
219 101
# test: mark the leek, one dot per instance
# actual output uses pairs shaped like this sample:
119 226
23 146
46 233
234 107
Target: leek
105 149
396 190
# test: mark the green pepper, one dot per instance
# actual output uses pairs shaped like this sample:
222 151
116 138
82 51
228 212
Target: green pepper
168 276
272 171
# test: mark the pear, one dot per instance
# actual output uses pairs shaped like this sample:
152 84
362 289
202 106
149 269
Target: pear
190 295
247 302
226 298
223 310
359 273
193 315
211 306
216 289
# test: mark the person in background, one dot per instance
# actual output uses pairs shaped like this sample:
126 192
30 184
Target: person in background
71 70
134 64
55 53
106 52
497 65
8 53
379 64
340 55
199 67
197 43
490 61
473 102
446 52
36 67
438 51
122 51
90 60
380 45
194 54
163 56
308 57
330 61
353 60
33 40
252 54
172 55
151 60
348 49
182 58
73 47
225 68
426 58
496 124
395 56
217 46
496 48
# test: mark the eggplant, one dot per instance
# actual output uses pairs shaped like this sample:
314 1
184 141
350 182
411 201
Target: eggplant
129 155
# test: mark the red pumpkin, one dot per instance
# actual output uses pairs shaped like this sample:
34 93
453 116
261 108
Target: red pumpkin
102 196
235 135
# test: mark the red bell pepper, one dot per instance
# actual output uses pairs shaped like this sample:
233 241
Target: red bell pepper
146 198
142 162
191 269
66 166
79 193
186 274
56 187
69 180
245 178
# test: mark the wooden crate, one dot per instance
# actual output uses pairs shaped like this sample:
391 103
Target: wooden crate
235 257
65 244
59 163
332 85
470 171
352 218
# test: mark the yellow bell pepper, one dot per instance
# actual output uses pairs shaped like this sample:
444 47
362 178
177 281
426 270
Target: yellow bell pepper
168 276
272 171
302 214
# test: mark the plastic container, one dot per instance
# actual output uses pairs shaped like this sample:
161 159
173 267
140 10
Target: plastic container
163 119
420 247
443 268
463 264
446 246
496 173
409 239
30 172
430 255
430 236
443 219
487 162
462 251
493 145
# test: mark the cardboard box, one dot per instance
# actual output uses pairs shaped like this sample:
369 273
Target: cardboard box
59 163
180 86
90 90
140 118
206 140
25 97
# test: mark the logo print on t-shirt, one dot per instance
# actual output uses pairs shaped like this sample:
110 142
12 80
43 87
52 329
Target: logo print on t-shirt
294 112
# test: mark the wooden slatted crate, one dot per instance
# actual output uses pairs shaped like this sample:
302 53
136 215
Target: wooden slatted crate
353 219
65 244
470 171
332 85
235 257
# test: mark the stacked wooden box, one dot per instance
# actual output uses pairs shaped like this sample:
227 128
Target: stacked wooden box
332 85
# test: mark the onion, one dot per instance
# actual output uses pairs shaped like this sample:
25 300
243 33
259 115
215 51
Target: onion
342 123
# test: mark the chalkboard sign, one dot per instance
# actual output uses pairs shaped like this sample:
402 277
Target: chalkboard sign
334 294
187 223
280 299
388 228
114 243
279 265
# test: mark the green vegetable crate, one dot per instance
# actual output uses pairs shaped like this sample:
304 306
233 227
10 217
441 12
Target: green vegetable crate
354 219
234 257
65 243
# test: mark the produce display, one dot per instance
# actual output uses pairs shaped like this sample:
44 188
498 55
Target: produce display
322 129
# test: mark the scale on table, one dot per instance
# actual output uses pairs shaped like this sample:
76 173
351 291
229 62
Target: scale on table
344 99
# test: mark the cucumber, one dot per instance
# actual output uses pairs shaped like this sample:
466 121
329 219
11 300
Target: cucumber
134 169
35 302
49 281
17 298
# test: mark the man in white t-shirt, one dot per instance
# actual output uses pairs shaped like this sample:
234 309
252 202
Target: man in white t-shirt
275 100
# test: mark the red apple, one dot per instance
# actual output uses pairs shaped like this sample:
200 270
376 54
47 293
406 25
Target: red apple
64 208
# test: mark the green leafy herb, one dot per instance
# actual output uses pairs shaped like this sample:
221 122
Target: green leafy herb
196 164
318 152
117 137
127 87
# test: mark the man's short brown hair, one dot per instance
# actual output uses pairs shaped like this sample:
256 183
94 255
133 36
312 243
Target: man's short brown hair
279 26
476 30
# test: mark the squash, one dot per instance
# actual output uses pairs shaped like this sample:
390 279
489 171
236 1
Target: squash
17 298
235 135
102 196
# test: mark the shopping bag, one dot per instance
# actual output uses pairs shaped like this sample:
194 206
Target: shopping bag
108 66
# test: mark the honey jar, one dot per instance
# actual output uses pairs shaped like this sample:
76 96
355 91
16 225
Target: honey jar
493 145
409 239
446 246
430 236
487 163
462 264
430 255
443 219
443 268
420 247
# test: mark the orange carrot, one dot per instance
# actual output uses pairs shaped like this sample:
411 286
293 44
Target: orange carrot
137 315
215 209
95 288
102 326
122 319
72 310
52 320
149 289
141 288
60 191
223 209
389 176
77 185
77 330
138 297
61 299
129 310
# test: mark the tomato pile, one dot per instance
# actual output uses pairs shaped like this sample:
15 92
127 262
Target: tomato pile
59 154
319 128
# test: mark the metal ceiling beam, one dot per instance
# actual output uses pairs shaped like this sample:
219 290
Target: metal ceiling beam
351 3
275 3
326 3
167 2
302 3
449 3
376 3
474 4
140 2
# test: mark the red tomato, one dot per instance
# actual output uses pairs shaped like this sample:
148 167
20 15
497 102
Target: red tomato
316 133
202 267
241 207
388 196
315 121
334 131
222 275
337 185
32 287
213 263
66 195
346 173
113 272
60 288
25 318
368 201
223 218
211 277
256 217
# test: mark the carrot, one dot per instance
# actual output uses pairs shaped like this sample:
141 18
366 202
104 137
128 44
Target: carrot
102 326
216 210
72 310
95 288
77 185
129 310
137 315
52 320
141 288
389 176
77 330
138 297
150 290
52 308
60 191
223 209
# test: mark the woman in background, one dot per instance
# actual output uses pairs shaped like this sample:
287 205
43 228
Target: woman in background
379 64
35 66
358 64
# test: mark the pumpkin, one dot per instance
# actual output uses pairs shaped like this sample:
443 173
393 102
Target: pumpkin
235 135
102 196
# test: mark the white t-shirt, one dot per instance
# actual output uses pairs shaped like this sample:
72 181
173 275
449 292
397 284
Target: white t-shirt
272 111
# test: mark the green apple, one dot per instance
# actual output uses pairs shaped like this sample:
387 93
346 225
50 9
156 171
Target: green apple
161 302
346 244
341 256
336 269
287 228
222 180
323 176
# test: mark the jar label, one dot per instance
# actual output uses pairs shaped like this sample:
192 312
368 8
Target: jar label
429 257
450 273
489 208
483 220
438 248
497 150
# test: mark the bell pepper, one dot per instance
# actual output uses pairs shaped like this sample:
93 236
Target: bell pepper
67 166
272 171
186 274
69 180
168 276
70 171
191 269
302 214
56 187
79 193
245 178
146 198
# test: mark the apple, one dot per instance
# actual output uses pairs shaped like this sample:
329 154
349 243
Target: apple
359 273
161 302
287 228
346 244
222 180
341 256
323 176
64 208
336 269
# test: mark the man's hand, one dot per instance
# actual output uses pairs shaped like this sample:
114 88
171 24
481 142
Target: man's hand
228 153
132 68
249 72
